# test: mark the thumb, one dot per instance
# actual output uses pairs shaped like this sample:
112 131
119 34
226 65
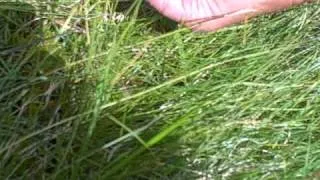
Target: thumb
276 5
173 9
258 7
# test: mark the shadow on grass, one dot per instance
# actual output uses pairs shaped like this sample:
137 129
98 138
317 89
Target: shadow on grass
24 62
31 100
159 23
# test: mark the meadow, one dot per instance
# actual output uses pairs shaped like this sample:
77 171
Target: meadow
110 89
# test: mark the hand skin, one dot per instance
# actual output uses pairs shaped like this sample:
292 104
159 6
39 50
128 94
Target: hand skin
211 15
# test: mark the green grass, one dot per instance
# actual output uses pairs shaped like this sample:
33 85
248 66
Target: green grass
83 97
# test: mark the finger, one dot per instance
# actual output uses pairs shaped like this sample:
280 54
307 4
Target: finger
261 7
186 10
276 5
170 8
215 24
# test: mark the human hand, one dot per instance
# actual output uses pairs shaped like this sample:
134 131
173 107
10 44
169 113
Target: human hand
210 15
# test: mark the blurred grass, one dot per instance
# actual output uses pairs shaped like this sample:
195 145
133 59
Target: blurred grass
88 95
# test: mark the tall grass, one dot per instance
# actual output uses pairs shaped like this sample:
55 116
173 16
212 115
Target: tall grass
90 94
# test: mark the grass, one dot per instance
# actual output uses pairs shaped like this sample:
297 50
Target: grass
89 95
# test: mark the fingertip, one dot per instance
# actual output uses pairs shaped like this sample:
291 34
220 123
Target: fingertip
171 9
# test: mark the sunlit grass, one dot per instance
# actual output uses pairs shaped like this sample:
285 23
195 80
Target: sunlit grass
89 94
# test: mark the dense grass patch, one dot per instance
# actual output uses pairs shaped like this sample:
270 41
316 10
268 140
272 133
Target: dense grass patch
87 93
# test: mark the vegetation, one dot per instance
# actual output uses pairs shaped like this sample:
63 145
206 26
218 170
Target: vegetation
103 89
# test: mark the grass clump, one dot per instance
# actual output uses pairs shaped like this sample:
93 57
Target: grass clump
87 93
